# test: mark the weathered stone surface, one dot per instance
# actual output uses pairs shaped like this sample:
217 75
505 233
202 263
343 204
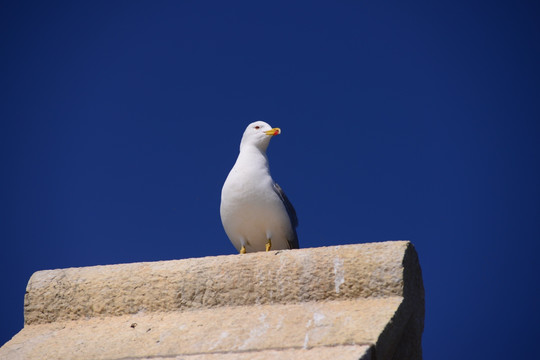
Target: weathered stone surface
347 302
227 329
356 352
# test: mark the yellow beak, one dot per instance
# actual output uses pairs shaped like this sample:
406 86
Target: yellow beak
274 131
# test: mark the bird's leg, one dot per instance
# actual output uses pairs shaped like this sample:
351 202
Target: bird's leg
243 250
269 245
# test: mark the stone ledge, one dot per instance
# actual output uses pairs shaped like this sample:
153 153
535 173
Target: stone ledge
216 331
354 301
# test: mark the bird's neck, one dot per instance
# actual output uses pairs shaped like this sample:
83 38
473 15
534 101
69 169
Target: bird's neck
253 156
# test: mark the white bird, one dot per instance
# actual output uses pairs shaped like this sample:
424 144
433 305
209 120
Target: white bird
255 212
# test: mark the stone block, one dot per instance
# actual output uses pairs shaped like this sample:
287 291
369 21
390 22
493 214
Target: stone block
362 301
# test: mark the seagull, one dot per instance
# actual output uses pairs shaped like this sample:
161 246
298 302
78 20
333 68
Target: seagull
255 212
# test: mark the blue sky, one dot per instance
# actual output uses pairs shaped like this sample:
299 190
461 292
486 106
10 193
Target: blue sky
410 120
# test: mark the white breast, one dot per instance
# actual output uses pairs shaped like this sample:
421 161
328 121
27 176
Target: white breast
251 211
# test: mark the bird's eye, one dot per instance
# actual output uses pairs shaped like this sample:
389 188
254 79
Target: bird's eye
257 127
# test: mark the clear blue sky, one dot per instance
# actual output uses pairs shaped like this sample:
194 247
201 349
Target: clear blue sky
418 120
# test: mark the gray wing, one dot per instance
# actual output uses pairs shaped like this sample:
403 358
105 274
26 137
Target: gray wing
293 243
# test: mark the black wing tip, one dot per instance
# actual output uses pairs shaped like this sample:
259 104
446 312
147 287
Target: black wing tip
293 243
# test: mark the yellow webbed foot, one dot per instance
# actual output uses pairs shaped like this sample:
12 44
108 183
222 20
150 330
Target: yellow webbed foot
268 245
243 250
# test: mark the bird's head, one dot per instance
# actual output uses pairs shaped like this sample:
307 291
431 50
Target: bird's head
258 134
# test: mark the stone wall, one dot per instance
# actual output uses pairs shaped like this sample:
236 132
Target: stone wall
362 301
